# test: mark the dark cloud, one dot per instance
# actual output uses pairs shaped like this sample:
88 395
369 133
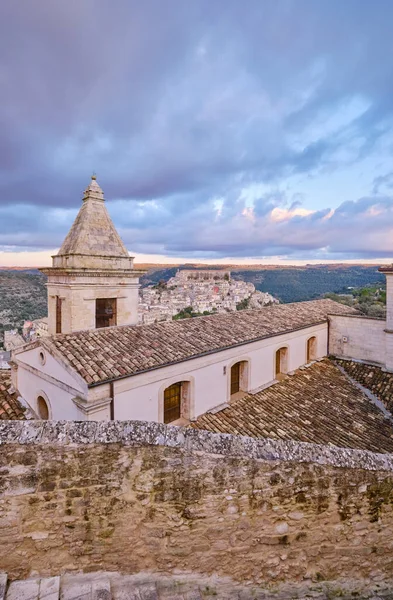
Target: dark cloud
180 107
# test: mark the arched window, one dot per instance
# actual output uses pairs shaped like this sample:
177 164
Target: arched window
172 402
281 366
176 402
239 377
311 349
42 408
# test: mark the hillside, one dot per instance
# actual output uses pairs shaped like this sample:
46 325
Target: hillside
292 284
23 293
295 285
22 297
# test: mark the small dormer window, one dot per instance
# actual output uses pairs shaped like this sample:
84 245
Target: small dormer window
42 357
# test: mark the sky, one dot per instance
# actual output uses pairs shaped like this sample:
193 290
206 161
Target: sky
228 131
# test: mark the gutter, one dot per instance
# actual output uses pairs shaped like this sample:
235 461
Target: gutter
112 403
201 354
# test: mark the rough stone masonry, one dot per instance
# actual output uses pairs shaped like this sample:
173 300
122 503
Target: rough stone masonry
132 496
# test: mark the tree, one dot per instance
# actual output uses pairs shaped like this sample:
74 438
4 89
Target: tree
243 304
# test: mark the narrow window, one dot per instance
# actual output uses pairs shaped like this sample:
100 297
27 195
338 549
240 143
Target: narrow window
311 349
58 314
42 408
281 362
105 312
172 403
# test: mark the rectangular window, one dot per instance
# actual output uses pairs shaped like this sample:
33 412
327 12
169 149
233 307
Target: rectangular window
58 314
105 312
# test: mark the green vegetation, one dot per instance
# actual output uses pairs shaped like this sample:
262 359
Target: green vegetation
22 297
370 300
243 304
189 312
161 285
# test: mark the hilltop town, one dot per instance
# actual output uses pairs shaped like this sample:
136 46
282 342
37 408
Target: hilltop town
201 292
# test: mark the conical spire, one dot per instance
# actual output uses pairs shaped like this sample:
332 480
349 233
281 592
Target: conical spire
93 240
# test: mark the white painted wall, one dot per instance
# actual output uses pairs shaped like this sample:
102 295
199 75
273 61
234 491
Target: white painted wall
366 338
52 367
139 397
63 386
61 406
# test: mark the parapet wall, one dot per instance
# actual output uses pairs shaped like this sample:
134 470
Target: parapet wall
365 338
130 497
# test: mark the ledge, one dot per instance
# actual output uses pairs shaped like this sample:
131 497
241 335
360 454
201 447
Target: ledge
359 316
141 434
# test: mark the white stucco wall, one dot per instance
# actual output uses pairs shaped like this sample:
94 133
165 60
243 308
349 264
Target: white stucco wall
52 381
140 397
52 367
61 406
366 338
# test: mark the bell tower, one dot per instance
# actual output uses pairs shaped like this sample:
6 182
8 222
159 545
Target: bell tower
92 282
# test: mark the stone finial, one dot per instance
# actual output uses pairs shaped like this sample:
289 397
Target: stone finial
93 190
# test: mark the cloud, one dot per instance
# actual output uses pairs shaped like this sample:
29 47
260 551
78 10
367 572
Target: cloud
180 105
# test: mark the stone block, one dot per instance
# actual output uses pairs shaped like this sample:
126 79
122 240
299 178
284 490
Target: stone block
49 588
148 591
101 590
24 590
3 585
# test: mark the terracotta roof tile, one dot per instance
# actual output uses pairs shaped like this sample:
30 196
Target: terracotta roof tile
318 404
379 382
132 349
10 407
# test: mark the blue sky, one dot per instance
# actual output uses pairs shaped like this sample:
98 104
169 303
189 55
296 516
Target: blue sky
257 130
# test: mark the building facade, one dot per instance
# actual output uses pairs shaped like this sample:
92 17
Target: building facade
172 371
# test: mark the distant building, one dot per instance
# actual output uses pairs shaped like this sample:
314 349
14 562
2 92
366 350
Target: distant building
13 340
5 357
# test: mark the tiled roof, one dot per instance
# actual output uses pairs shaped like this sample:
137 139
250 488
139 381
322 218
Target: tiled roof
373 378
317 404
100 355
10 407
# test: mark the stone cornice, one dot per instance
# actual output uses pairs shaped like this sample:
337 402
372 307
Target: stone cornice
141 433
130 273
88 406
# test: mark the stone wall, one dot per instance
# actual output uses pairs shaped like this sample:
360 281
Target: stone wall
130 497
365 338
